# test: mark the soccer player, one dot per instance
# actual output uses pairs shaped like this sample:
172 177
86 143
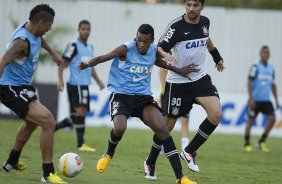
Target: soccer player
260 84
17 67
188 37
77 86
130 84
184 130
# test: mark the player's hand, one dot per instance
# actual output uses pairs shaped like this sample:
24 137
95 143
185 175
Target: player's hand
169 59
58 59
60 85
219 66
252 103
101 85
82 66
185 71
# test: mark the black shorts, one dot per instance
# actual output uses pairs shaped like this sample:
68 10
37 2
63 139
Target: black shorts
78 96
162 98
17 98
179 98
130 105
263 107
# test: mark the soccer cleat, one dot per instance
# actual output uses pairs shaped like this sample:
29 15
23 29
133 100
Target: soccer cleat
263 147
190 161
103 163
150 171
52 178
185 180
18 167
85 147
248 148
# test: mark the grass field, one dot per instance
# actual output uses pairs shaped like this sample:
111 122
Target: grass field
221 159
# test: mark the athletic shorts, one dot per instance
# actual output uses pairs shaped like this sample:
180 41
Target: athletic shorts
162 98
263 107
78 96
130 105
179 98
17 98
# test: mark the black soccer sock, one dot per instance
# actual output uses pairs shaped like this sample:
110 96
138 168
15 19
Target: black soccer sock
155 151
80 130
205 129
14 157
263 138
247 139
47 169
112 144
64 123
172 154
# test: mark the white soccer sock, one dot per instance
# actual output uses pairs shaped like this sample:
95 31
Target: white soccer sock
184 142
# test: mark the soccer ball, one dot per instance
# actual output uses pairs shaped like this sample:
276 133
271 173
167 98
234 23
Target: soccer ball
70 164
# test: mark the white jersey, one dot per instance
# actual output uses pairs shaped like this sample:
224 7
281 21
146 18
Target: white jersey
189 45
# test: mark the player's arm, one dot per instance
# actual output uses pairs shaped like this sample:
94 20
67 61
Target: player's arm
97 79
215 55
19 48
252 75
120 51
161 62
167 41
55 56
274 92
69 53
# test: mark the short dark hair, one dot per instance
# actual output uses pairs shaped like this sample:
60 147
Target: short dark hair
83 22
201 1
146 29
41 12
264 47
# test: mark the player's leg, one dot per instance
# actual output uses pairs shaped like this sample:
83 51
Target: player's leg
42 116
268 110
23 134
157 143
119 111
153 118
73 102
212 106
120 124
252 113
66 122
79 125
184 131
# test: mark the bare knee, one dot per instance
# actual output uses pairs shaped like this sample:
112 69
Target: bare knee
163 132
48 122
271 119
119 129
215 117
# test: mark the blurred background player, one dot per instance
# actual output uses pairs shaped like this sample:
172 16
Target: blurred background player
17 67
260 84
78 84
184 129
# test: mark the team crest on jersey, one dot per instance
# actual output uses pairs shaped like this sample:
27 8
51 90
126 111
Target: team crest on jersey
205 30
175 111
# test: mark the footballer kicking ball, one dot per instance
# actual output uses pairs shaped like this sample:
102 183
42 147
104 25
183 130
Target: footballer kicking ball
70 164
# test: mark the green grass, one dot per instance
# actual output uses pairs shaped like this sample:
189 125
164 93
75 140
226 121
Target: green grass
221 159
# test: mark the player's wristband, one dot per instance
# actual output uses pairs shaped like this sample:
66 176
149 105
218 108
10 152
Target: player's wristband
215 55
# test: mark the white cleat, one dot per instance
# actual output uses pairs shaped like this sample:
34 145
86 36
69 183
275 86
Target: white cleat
188 158
149 171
